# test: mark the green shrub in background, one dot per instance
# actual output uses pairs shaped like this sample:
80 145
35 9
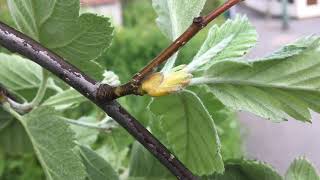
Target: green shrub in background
138 13
5 17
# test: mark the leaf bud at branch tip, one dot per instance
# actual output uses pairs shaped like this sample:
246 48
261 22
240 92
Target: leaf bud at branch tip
162 84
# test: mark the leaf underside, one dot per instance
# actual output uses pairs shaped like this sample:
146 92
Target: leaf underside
283 84
302 169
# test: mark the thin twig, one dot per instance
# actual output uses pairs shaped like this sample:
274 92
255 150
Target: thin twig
199 23
20 43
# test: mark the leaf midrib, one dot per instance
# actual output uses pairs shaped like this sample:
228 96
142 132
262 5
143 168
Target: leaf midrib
213 81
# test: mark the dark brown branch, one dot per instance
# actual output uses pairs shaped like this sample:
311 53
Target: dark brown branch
198 24
5 93
20 43
7 96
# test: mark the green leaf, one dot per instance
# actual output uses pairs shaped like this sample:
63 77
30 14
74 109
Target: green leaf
23 77
226 121
85 136
19 74
230 41
64 100
274 87
97 168
53 142
13 138
302 169
246 170
143 165
190 131
57 25
115 148
174 17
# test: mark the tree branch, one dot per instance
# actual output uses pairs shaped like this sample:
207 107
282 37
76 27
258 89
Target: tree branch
133 87
7 97
20 43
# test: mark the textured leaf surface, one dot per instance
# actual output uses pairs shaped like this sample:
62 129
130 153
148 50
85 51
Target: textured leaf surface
190 131
13 138
97 168
53 142
226 121
246 170
174 17
144 166
57 25
66 99
302 169
22 76
17 73
115 148
84 135
274 87
230 41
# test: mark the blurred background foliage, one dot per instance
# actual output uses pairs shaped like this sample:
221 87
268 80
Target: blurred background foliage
134 45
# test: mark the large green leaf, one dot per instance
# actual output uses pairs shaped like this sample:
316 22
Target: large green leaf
23 77
302 169
53 142
190 131
145 166
226 121
19 74
115 147
97 168
57 25
281 85
13 138
230 41
174 17
66 99
84 135
246 170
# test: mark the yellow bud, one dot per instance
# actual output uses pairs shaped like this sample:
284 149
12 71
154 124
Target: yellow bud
159 84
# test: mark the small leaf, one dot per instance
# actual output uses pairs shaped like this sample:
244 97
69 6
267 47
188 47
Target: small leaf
53 142
246 170
97 168
276 87
302 169
56 24
190 131
230 41
64 100
144 165
174 17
